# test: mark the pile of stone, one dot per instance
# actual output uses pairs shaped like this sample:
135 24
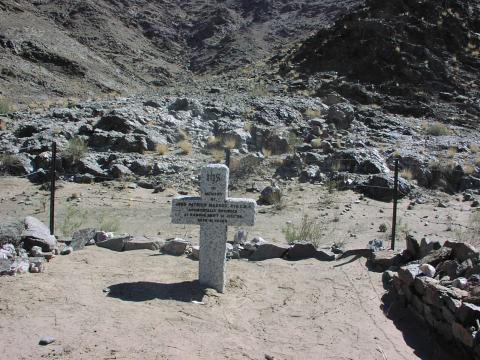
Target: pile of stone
441 287
256 249
26 246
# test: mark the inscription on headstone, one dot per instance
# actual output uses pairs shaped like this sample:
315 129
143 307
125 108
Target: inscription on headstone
213 211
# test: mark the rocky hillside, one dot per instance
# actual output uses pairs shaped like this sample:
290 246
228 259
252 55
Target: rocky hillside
85 47
410 56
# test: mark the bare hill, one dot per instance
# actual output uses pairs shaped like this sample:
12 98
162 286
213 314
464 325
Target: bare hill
403 54
85 47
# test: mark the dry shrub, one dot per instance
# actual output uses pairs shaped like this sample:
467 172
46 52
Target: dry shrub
4 106
162 149
474 148
185 146
218 155
437 129
235 164
76 149
308 230
316 143
469 169
72 220
312 113
213 141
247 126
266 152
407 174
451 152
229 141
471 233
8 162
183 135
293 141
276 162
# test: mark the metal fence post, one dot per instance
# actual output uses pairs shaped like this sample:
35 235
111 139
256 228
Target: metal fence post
53 170
395 202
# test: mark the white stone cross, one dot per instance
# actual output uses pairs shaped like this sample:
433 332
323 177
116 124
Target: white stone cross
213 211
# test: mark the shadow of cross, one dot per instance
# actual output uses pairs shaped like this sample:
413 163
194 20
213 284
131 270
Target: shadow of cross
213 211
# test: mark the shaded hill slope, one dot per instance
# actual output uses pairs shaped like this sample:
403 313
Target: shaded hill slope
86 47
421 51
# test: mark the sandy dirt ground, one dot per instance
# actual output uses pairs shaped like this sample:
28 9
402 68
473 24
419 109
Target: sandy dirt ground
100 304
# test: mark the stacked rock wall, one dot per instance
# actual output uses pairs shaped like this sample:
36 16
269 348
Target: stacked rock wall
442 289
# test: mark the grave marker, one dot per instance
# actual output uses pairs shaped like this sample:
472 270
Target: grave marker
213 211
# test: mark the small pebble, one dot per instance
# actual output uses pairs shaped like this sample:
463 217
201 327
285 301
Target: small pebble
67 250
46 340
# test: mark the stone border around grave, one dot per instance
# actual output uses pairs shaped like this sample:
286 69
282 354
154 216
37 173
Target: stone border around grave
255 250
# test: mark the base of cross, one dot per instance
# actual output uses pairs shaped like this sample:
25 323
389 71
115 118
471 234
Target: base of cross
213 211
213 247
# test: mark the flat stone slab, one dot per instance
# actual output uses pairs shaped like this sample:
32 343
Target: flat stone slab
116 243
82 237
301 251
143 243
268 251
175 247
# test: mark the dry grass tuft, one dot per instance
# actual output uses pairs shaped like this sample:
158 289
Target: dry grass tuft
437 129
312 113
76 149
213 141
185 146
235 164
406 174
308 230
316 143
218 155
469 169
266 152
451 152
183 135
162 149
4 107
474 148
229 141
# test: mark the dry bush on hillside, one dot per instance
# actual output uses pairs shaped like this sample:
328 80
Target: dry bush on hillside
316 143
406 174
162 149
218 155
4 106
76 149
437 129
185 146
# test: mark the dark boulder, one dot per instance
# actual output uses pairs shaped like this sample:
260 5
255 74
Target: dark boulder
380 187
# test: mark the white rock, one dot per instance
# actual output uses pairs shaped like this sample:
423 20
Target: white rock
427 270
460 283
9 248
